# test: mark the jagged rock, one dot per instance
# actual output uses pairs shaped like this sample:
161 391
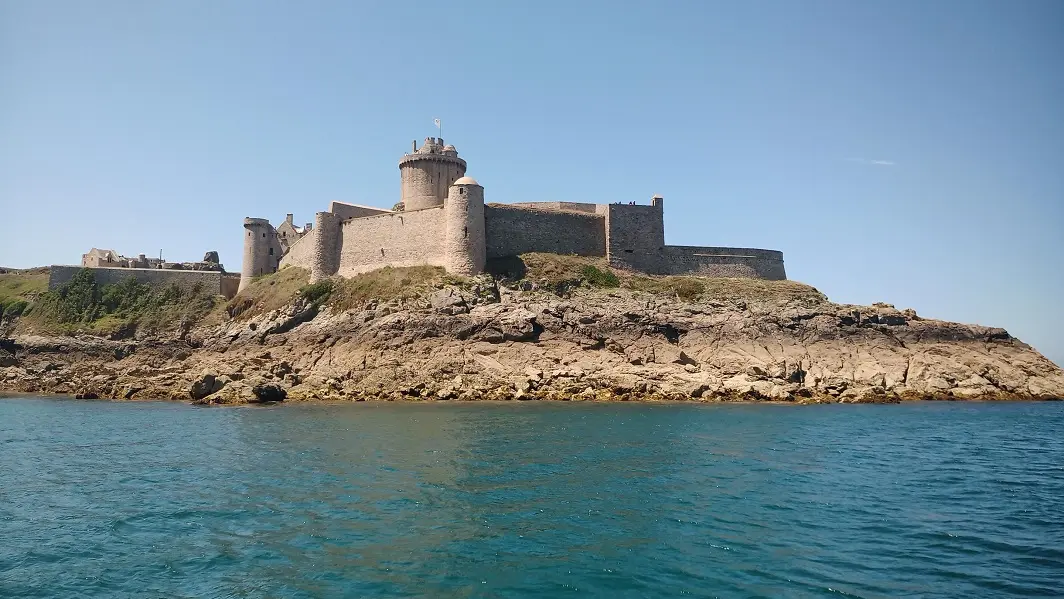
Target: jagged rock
448 301
460 343
205 385
211 257
268 392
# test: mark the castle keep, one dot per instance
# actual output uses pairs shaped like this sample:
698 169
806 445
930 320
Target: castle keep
442 220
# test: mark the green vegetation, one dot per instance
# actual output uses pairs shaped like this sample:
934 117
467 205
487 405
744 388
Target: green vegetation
686 288
83 305
19 289
387 284
561 274
267 293
317 293
596 277
276 290
555 272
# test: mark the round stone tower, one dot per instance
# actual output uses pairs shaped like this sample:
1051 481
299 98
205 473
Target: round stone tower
262 251
428 172
463 214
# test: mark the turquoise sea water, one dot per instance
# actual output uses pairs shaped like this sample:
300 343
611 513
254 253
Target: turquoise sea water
101 499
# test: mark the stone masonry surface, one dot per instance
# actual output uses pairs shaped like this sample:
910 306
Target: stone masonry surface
514 230
301 253
724 262
635 237
403 239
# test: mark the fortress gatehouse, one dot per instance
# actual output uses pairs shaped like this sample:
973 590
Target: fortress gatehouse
442 220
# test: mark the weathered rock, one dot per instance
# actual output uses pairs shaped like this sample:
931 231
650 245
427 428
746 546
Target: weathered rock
454 343
269 392
205 385
7 359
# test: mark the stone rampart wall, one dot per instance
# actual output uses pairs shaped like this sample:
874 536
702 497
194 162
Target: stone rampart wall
399 239
230 284
571 206
301 253
723 262
346 211
512 230
635 237
187 280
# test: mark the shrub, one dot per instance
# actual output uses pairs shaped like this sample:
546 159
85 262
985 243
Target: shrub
13 307
599 278
121 306
317 293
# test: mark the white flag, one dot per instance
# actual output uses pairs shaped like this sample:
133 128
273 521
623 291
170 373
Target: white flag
437 121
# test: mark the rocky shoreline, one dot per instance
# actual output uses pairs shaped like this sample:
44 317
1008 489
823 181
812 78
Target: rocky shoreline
486 341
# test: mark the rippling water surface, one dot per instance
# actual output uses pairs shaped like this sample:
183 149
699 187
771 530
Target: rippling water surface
102 499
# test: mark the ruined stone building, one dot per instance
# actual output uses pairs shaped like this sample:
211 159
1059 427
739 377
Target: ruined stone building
97 258
110 267
442 220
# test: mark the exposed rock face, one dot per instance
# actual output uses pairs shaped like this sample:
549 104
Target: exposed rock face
480 342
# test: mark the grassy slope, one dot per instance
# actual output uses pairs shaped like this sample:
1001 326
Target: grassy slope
551 272
127 307
19 288
274 291
561 273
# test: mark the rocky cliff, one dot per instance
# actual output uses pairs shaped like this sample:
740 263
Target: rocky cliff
533 338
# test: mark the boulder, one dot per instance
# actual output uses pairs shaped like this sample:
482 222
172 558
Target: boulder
7 359
268 392
205 385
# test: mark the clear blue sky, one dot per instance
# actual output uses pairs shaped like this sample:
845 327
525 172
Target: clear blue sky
909 152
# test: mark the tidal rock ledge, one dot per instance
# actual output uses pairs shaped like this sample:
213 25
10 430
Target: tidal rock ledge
489 341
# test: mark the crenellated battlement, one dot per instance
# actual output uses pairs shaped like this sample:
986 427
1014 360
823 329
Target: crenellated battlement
452 159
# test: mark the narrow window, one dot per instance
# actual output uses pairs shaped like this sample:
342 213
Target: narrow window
465 232
264 235
271 251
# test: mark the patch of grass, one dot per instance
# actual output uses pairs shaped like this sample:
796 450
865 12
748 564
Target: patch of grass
317 293
19 289
561 273
276 290
686 288
23 283
386 284
597 277
556 272
267 293
723 289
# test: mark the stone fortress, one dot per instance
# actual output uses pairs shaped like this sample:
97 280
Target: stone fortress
442 220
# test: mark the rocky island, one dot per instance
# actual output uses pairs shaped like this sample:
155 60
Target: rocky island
536 326
446 297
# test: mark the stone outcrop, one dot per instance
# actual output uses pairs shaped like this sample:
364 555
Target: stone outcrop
480 341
